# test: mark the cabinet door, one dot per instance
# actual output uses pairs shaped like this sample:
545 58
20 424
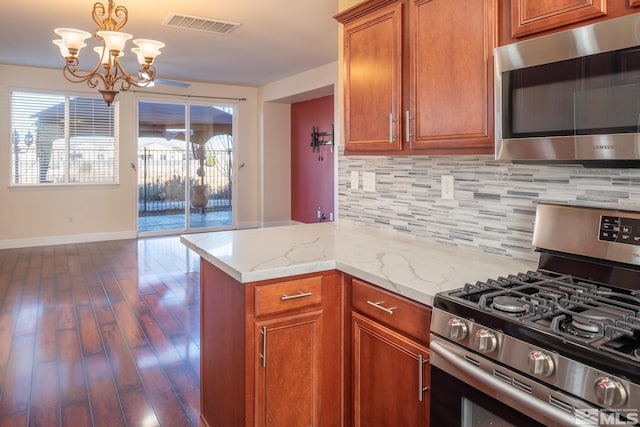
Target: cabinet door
534 16
288 371
373 80
390 377
451 46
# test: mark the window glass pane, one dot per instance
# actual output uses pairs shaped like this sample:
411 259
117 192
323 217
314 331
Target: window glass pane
62 140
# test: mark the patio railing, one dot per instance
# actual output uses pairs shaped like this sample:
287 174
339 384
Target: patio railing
162 179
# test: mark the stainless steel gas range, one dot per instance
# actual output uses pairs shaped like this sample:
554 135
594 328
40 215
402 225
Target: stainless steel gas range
555 346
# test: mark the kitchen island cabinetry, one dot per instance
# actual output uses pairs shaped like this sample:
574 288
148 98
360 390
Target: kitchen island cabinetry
268 350
390 358
245 273
418 76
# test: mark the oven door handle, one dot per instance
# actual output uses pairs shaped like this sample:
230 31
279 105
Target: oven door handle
447 360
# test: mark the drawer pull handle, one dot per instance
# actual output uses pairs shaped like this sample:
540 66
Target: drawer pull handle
300 294
378 306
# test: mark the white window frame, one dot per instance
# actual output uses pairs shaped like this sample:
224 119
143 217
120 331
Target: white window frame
31 128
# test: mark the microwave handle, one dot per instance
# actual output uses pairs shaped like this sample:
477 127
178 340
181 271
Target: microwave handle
455 365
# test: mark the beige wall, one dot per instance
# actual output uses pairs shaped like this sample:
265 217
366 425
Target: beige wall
345 4
34 216
275 101
275 203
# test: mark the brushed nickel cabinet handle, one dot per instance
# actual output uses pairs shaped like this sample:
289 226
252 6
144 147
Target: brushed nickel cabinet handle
300 294
421 387
407 126
380 307
264 346
391 128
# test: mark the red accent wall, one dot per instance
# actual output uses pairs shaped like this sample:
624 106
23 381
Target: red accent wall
311 173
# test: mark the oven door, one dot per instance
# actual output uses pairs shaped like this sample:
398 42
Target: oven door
465 392
462 405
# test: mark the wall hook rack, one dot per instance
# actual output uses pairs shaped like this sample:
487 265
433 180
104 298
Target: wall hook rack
319 139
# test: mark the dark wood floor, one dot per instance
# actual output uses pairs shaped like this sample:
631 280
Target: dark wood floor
100 334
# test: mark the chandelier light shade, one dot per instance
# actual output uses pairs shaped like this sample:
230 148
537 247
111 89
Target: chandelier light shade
108 75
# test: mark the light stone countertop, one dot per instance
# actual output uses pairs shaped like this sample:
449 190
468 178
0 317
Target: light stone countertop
413 267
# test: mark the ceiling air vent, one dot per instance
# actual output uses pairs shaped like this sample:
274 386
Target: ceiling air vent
200 24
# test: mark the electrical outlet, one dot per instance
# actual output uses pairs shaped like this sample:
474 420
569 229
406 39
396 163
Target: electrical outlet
369 181
447 186
355 178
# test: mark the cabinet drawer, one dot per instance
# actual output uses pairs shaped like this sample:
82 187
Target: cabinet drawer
395 311
290 295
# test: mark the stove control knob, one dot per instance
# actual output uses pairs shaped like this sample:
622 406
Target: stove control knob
540 364
486 340
609 392
457 329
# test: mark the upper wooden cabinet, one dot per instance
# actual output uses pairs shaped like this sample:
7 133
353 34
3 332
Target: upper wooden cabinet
534 16
418 76
451 76
373 79
522 19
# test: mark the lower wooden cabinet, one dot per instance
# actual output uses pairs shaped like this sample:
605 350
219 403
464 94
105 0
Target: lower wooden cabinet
390 370
289 370
270 351
390 377
321 350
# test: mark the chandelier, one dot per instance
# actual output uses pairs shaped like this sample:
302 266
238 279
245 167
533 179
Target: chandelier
108 72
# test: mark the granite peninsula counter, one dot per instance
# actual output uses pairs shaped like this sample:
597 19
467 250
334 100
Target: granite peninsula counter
412 267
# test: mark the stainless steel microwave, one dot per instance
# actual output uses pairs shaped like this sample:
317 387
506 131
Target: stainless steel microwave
572 96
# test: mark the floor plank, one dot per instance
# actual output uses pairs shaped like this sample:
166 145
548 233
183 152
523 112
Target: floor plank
100 334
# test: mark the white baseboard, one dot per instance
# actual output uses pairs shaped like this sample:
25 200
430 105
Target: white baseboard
64 240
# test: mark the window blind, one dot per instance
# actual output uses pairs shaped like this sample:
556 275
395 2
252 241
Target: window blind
59 139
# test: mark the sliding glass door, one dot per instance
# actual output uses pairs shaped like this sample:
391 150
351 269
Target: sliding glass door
185 159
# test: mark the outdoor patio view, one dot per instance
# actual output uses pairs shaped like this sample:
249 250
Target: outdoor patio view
184 177
184 180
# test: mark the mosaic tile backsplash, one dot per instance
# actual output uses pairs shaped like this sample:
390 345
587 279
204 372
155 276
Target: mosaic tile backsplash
494 201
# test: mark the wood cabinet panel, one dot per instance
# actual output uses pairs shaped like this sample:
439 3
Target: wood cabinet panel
373 80
452 74
225 385
534 16
399 313
288 295
288 374
390 375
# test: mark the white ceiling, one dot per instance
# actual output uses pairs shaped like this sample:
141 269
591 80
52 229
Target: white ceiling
276 38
